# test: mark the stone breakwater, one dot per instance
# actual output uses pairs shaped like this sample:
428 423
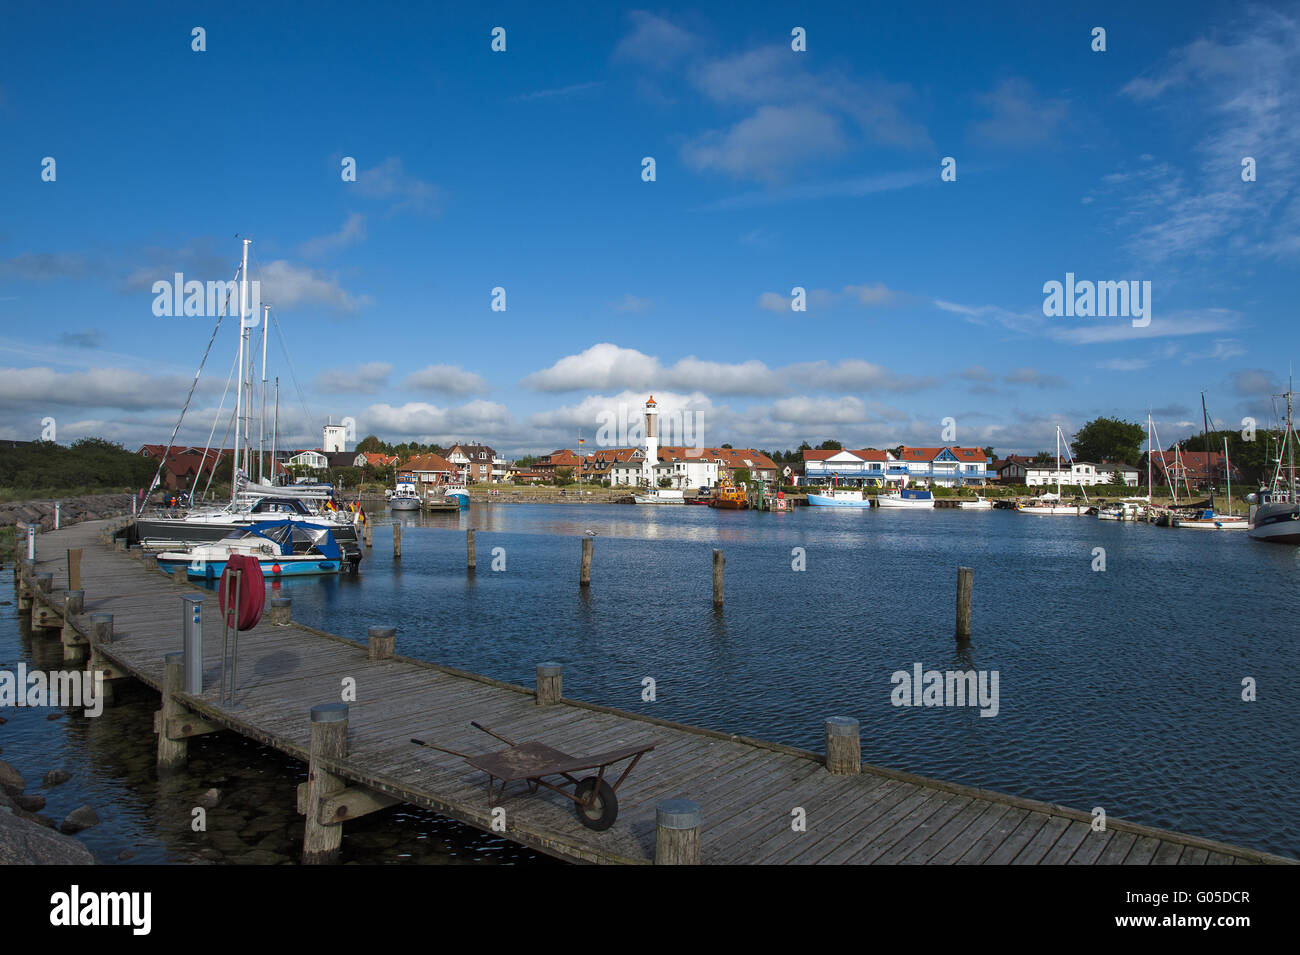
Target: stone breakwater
72 510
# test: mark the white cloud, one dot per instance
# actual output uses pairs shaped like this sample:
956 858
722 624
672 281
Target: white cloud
766 145
653 42
1018 115
285 285
352 231
365 379
632 303
389 180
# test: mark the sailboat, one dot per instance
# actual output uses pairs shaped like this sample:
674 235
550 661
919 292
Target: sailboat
1132 508
1049 504
1274 511
250 503
1206 518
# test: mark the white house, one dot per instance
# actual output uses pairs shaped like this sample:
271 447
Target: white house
313 460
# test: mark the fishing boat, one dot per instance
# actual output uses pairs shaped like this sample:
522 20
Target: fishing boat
905 497
661 495
405 497
282 548
457 493
731 497
979 504
1049 504
1275 510
838 497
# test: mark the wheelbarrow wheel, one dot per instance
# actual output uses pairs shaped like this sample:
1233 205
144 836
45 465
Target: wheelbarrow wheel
602 811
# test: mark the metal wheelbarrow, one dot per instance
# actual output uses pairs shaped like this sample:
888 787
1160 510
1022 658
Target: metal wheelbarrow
595 800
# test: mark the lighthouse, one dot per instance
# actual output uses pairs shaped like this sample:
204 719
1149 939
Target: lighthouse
651 442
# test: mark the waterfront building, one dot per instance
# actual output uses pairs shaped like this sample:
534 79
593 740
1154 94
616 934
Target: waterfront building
867 467
429 470
475 462
949 466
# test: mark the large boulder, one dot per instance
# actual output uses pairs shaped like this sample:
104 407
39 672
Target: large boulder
23 842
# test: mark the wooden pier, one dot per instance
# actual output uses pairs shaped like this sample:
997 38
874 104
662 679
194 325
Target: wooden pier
700 795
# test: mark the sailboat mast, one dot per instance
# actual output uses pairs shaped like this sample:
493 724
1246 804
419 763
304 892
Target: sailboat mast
1148 457
1058 464
1205 442
275 427
261 404
1227 471
239 392
1290 446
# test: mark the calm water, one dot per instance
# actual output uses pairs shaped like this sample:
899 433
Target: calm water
1119 689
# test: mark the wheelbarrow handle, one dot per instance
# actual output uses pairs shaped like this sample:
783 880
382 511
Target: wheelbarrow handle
441 749
480 726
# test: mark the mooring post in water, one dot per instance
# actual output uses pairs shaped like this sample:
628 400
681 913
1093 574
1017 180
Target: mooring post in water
192 631
719 563
281 611
382 643
965 583
329 740
171 752
471 560
584 574
843 746
397 540
367 534
74 568
26 567
677 832
550 683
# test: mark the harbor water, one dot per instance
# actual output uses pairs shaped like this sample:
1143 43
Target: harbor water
1123 652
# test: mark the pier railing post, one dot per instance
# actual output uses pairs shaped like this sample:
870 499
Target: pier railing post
584 574
180 575
383 641
677 832
550 683
965 584
172 753
329 740
41 616
281 611
367 535
843 746
397 540
719 564
471 560
73 642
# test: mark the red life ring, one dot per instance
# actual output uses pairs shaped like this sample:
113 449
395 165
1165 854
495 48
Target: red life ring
252 590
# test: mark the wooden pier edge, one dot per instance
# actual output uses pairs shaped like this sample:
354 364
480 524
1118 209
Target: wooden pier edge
563 848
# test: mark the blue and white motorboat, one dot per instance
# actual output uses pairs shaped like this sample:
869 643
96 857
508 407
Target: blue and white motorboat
838 497
283 548
458 493
906 497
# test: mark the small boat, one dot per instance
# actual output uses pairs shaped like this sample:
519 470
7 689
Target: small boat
1208 520
405 498
1050 506
1123 511
838 497
906 497
660 496
731 497
458 493
282 549
979 504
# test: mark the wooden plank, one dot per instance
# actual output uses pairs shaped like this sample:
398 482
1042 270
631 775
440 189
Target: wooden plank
1194 857
1117 850
1168 854
1143 851
1093 845
1065 847
948 833
1010 847
971 836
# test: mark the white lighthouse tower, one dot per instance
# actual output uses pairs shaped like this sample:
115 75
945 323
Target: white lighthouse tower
651 442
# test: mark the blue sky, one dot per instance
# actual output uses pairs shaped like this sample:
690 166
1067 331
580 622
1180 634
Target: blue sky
522 169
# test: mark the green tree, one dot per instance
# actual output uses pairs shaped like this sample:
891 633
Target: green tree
741 476
1109 439
563 475
830 446
370 444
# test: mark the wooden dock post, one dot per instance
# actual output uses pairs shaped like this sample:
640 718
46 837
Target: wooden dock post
470 559
25 568
329 740
584 574
180 576
965 584
172 753
281 611
719 564
42 617
119 544
367 534
383 641
677 832
101 628
397 540
74 568
843 746
550 683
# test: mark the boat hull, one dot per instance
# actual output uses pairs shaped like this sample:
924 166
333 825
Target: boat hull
160 534
822 500
1277 524
272 568
404 504
885 500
